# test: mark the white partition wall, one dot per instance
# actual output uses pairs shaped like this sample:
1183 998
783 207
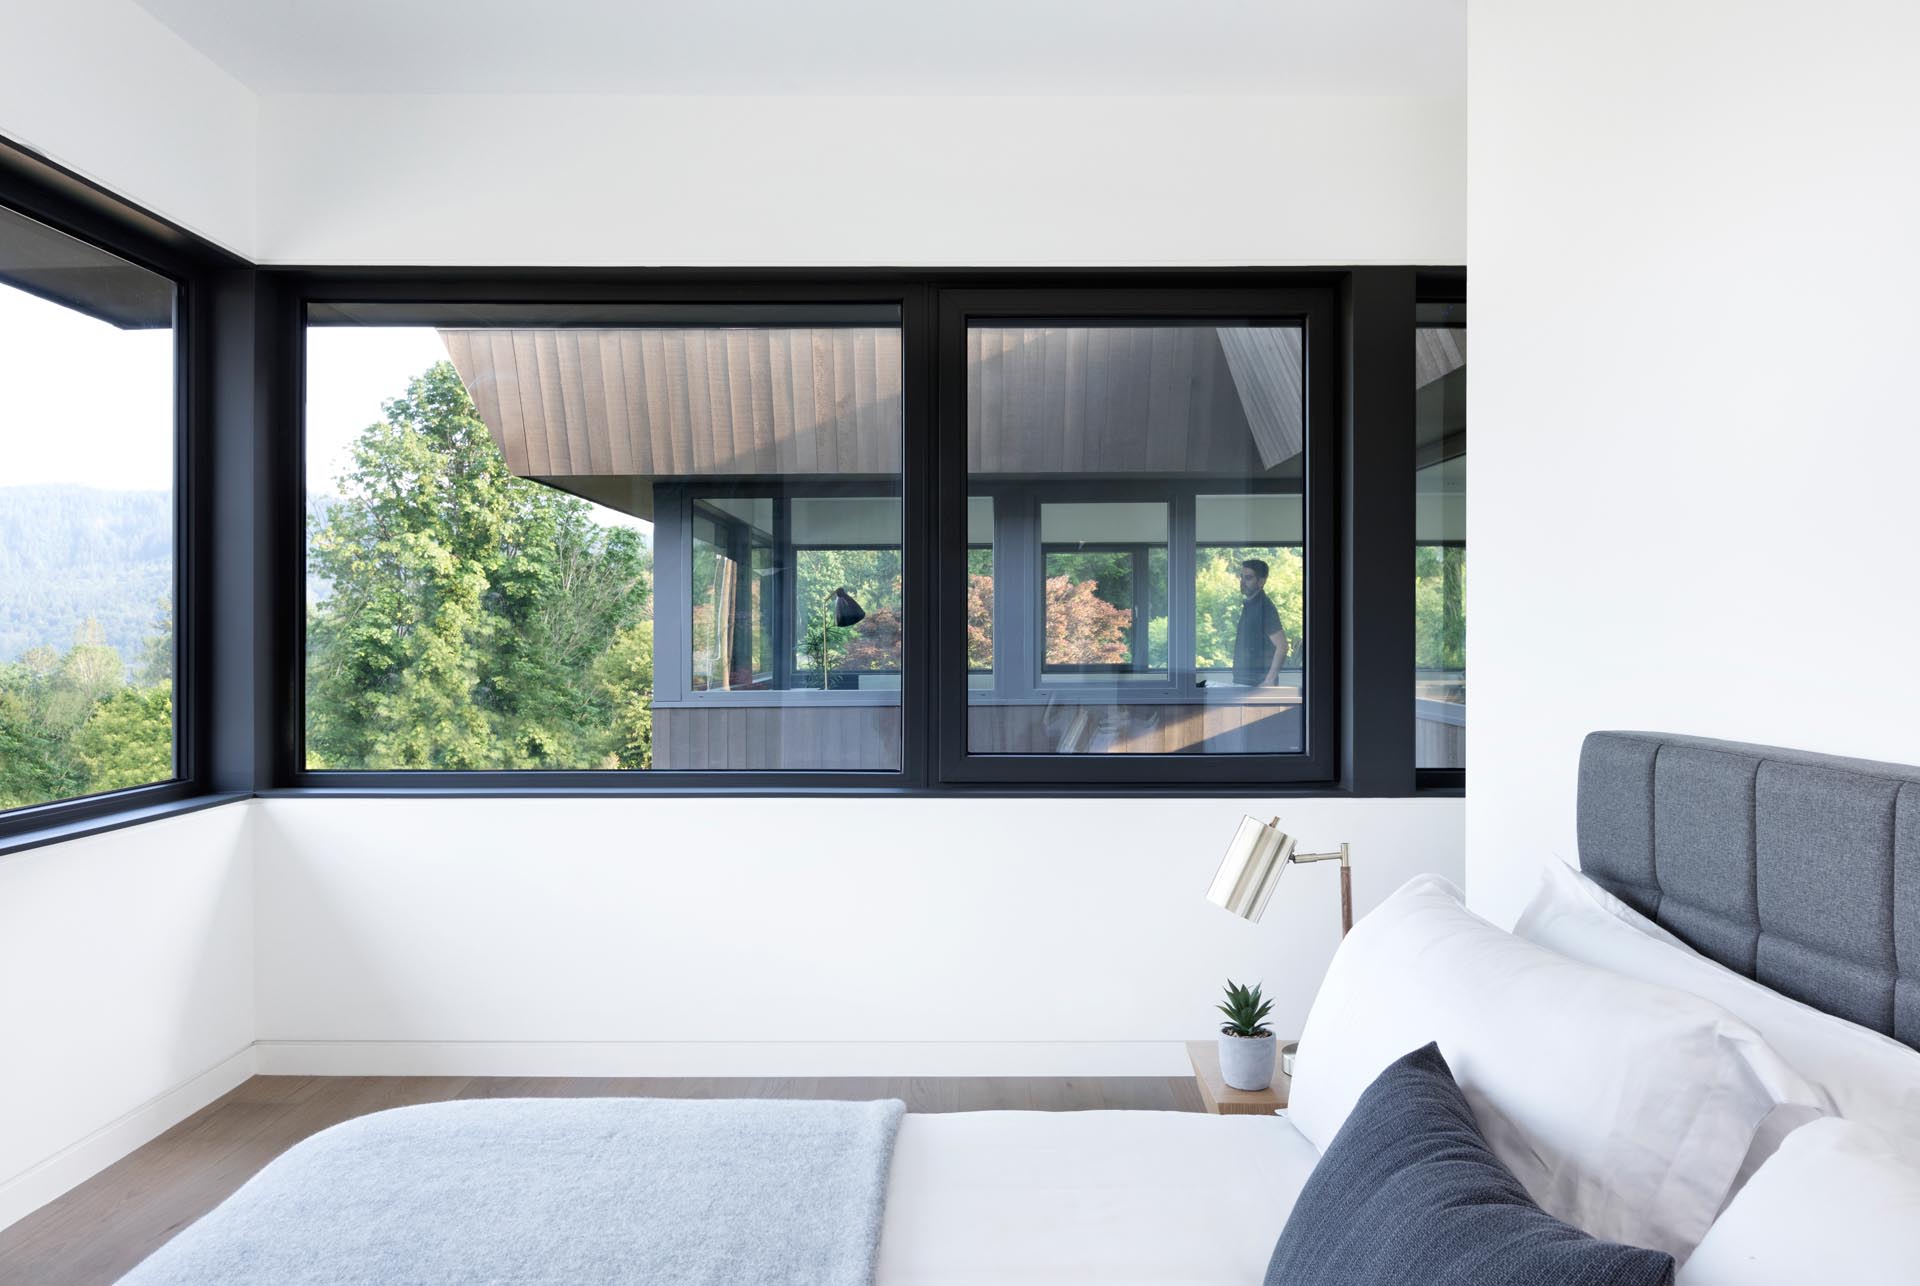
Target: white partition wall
775 937
607 180
1695 433
126 993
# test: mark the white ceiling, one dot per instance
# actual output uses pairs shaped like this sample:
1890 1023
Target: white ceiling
1080 47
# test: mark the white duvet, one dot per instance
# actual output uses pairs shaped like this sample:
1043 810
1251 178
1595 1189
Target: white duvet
1043 1197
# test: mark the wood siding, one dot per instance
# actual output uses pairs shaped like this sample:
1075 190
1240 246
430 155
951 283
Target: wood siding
1438 351
776 738
1160 400
1439 744
687 402
1157 729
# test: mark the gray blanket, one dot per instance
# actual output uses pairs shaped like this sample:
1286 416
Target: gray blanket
576 1191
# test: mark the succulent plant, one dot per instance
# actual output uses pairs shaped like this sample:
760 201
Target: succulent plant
1245 1012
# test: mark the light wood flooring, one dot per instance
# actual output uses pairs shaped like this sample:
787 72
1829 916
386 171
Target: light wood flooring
108 1224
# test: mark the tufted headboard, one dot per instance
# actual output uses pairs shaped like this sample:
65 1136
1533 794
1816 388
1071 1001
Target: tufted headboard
1799 870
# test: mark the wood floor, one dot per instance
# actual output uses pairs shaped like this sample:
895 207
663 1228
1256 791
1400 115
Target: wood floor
108 1224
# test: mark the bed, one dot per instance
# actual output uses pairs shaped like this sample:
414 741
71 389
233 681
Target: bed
1799 871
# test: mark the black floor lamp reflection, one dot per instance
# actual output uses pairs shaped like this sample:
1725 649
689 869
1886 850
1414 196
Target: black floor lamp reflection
1255 861
843 610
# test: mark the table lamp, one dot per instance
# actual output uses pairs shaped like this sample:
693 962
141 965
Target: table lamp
1255 861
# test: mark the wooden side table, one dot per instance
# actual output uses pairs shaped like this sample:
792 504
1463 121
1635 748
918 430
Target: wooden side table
1222 1100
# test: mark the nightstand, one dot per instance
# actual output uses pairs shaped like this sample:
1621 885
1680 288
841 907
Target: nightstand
1221 1100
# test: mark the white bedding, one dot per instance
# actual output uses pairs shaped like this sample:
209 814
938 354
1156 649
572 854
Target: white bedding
1040 1197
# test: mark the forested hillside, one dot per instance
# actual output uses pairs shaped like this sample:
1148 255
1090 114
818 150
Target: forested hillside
70 554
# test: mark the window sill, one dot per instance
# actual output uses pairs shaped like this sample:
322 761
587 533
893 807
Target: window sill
131 813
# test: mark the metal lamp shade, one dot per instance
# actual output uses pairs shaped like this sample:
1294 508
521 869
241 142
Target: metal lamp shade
846 609
1251 870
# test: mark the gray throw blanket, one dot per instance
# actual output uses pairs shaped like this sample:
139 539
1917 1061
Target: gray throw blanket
575 1191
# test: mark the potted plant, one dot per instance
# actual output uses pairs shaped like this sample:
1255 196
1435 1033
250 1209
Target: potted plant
1246 1046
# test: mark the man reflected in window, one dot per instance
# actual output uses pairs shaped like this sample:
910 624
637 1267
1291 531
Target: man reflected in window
1259 641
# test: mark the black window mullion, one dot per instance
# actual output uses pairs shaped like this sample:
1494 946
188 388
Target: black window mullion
1377 534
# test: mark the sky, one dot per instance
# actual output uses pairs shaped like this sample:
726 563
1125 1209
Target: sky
110 394
351 370
85 402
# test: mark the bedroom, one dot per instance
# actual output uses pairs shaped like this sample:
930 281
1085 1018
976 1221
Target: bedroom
1687 515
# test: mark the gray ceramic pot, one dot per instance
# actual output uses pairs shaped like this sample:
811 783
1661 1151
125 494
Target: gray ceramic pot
1246 1062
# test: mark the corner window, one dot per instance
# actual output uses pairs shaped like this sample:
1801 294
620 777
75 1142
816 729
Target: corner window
656 538
88 515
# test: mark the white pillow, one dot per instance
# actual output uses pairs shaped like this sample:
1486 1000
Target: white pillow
1626 1109
1868 1077
1837 1203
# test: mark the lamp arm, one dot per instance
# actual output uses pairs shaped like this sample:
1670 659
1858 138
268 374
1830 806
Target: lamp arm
1346 881
1343 856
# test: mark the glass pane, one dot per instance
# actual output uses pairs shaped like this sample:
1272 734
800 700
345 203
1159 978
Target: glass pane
1102 458
547 544
1440 537
86 519
1250 591
980 593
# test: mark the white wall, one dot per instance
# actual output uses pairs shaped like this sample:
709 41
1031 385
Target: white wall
104 89
596 180
1696 437
788 936
963 936
126 993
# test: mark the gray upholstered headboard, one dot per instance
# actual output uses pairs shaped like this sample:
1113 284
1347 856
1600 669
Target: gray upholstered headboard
1799 870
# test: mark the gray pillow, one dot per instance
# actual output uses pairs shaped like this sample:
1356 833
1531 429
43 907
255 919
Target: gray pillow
1408 1192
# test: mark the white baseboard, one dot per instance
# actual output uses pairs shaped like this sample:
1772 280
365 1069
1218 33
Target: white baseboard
72 1165
720 1058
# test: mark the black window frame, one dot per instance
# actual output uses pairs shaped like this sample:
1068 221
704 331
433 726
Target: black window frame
1311 305
1366 336
37 188
240 552
1439 286
302 289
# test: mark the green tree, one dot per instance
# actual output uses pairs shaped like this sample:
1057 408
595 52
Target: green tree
70 726
88 674
469 609
127 740
1439 607
624 677
1218 603
156 663
35 765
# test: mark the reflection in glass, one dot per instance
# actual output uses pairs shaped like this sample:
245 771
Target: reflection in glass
620 545
1124 482
1440 537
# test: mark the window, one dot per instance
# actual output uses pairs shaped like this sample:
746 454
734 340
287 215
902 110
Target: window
1440 536
1104 603
646 538
87 520
637 537
1138 548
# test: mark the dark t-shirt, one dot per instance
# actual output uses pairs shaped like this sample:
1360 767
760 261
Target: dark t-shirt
1253 639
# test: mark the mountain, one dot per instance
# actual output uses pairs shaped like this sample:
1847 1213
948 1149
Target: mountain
69 553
